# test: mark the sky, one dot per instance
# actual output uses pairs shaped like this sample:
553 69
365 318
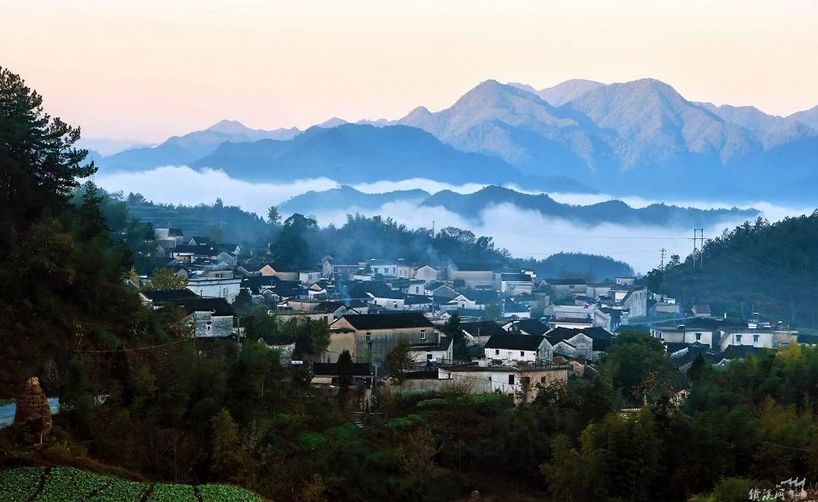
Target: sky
144 70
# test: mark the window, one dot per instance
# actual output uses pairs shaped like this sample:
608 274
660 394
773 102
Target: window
368 336
423 334
428 357
698 336
738 338
511 379
496 352
755 339
525 380
542 379
209 326
522 353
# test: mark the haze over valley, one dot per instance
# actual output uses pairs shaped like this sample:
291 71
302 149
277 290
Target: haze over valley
629 160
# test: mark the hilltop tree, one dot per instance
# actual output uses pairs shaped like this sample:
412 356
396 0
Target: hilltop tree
273 216
53 247
292 245
39 166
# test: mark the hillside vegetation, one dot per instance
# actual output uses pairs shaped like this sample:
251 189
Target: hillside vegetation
770 268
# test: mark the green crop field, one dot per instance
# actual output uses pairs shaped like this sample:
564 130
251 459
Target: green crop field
66 484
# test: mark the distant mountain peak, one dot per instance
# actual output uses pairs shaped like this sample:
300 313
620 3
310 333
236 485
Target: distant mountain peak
491 87
419 112
332 122
229 127
567 91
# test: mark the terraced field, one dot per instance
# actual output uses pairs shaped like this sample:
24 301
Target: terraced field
67 484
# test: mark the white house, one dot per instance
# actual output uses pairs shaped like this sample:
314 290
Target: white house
514 284
209 287
636 300
472 276
440 351
748 337
688 334
384 267
427 273
513 348
309 277
280 270
508 380
584 343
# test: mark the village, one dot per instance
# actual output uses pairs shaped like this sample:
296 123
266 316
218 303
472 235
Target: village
484 330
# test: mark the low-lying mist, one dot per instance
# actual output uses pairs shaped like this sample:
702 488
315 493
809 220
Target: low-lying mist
524 233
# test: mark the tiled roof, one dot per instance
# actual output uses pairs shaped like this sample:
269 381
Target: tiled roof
388 321
514 341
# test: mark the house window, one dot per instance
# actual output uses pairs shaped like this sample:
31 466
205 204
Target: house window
423 334
368 336
698 336
428 357
755 339
522 353
496 352
209 326
738 338
511 379
525 380
542 379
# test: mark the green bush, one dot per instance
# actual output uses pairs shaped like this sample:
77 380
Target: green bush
19 484
732 490
404 422
214 493
312 440
163 492
432 403
70 485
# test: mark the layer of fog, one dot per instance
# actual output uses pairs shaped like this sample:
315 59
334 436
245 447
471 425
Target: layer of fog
523 233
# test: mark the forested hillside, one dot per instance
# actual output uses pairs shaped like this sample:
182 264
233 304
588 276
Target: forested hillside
579 266
217 221
770 268
140 396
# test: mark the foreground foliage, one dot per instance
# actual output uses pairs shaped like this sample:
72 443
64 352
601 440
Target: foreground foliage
69 484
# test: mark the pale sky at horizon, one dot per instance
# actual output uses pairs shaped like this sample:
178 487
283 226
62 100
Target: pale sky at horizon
144 70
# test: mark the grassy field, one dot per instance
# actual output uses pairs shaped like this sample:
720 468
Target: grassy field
64 484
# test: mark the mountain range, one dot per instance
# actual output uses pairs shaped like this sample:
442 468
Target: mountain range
186 149
639 138
359 153
470 206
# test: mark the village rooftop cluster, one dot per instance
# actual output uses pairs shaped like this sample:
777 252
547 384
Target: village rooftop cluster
522 332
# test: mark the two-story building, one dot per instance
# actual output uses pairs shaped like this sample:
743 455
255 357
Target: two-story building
370 337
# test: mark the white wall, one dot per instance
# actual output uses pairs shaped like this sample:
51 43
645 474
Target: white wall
216 288
764 340
511 355
706 337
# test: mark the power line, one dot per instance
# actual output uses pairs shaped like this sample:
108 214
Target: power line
134 349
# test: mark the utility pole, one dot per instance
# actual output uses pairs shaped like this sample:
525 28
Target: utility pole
695 240
662 259
698 247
